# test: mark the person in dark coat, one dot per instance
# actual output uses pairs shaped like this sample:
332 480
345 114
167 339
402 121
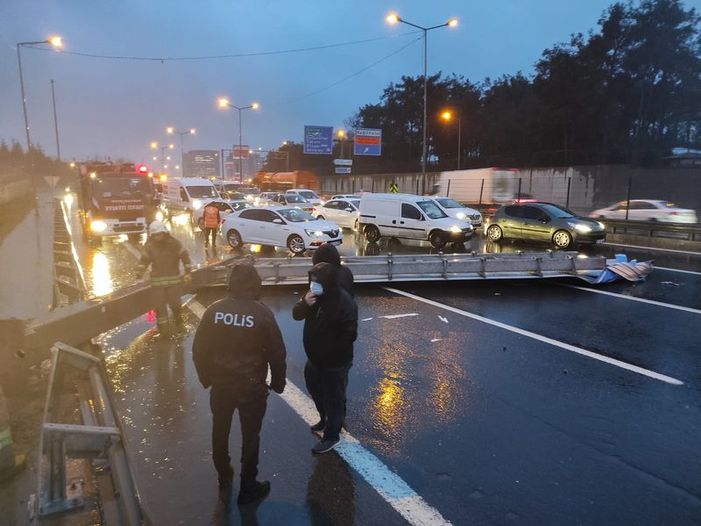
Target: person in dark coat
328 253
330 327
235 343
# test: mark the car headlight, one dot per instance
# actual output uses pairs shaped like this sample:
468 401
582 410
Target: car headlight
460 215
455 229
98 226
314 233
159 216
196 204
603 226
582 229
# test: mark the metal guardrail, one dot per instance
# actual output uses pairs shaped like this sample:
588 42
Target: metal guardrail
429 267
98 438
653 229
69 282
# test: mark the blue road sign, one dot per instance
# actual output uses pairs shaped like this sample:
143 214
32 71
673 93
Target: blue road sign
367 141
318 140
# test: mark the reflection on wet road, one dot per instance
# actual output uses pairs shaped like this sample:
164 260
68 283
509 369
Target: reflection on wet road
488 426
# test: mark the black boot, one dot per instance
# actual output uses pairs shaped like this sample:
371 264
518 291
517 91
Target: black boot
253 492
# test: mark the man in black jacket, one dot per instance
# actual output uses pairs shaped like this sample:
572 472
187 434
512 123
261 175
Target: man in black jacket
236 341
330 327
327 253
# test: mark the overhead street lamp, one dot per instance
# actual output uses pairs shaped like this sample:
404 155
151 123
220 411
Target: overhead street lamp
172 131
341 137
224 103
447 116
163 147
57 43
393 19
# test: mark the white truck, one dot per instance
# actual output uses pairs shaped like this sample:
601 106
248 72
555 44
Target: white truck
188 194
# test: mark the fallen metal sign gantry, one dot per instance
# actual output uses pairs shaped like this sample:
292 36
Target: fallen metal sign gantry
429 267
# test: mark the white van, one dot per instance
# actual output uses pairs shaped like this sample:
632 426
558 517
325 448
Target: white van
409 217
185 194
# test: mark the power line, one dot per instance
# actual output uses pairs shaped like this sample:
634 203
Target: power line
224 56
352 75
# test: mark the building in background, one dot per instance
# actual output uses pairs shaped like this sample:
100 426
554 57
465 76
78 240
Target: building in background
201 163
247 160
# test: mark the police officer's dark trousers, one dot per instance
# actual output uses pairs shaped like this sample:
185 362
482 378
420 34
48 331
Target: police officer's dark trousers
223 401
327 387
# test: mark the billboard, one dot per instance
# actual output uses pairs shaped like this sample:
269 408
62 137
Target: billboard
367 141
318 140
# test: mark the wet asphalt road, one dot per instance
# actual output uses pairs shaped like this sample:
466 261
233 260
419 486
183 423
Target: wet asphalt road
489 426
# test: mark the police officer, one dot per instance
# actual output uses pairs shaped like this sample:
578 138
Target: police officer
212 220
236 341
163 253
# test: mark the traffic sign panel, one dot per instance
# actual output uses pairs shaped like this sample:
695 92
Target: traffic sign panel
343 169
367 141
318 140
343 162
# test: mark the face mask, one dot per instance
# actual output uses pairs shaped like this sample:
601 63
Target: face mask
316 288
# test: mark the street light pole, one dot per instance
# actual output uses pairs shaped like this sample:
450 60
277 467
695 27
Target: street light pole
53 101
57 43
170 131
392 19
225 103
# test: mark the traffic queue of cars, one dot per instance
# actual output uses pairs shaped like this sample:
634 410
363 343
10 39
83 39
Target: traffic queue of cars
299 220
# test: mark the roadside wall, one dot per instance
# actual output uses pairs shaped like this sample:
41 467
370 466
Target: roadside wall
581 188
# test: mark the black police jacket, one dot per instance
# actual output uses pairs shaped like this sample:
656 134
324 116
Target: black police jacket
236 341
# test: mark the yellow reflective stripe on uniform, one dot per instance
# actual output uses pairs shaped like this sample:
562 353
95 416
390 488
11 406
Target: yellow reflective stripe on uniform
163 281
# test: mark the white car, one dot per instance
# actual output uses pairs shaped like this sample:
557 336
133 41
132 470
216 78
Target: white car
346 196
459 211
646 210
198 213
279 226
341 211
306 194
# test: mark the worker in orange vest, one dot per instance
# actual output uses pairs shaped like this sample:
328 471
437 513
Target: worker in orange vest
212 220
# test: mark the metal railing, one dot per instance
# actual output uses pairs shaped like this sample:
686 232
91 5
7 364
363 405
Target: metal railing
653 229
428 267
99 438
69 282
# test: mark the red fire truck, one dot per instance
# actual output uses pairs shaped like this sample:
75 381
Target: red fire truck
115 199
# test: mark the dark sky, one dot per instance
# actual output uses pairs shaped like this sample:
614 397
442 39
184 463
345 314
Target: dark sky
114 108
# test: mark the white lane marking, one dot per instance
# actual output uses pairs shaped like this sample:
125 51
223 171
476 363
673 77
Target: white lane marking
366 319
132 250
443 319
654 249
395 316
678 270
434 340
388 484
633 298
544 339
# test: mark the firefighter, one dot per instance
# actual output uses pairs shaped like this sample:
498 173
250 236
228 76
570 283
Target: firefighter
163 253
212 220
